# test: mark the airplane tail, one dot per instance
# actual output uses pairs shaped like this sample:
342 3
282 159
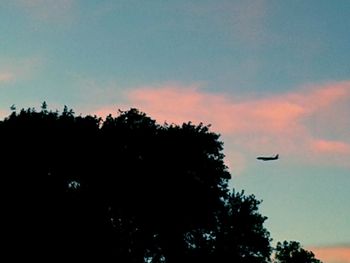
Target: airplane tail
277 156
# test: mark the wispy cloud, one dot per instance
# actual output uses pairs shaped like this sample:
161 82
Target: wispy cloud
48 10
14 69
340 254
245 21
248 20
277 123
6 76
328 146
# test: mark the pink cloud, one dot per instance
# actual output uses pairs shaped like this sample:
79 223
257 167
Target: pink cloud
332 254
327 146
315 98
180 104
230 115
276 123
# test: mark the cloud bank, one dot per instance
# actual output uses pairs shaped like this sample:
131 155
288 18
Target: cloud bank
307 122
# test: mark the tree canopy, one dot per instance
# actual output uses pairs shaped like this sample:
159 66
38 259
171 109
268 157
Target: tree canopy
123 189
292 252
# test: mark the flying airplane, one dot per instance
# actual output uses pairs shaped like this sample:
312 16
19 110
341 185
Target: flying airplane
263 158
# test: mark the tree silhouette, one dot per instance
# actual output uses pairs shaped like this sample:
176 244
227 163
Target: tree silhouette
125 189
292 252
242 236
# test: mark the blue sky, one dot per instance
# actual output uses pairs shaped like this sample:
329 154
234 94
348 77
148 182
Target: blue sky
271 76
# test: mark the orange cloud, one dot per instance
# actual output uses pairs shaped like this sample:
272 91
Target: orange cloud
332 254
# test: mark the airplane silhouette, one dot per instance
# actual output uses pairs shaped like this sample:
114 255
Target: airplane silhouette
263 158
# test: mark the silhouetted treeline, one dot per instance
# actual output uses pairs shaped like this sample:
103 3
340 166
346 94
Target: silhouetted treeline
124 189
292 252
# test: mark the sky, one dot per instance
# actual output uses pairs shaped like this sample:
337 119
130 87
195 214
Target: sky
270 76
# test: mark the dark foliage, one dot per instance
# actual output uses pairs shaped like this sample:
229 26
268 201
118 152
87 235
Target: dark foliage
125 189
292 252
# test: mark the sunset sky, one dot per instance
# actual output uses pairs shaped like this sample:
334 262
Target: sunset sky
270 76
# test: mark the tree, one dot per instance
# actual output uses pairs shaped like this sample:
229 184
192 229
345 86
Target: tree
125 189
241 235
292 252
170 179
42 154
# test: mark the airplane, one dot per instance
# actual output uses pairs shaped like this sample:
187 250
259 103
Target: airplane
268 158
